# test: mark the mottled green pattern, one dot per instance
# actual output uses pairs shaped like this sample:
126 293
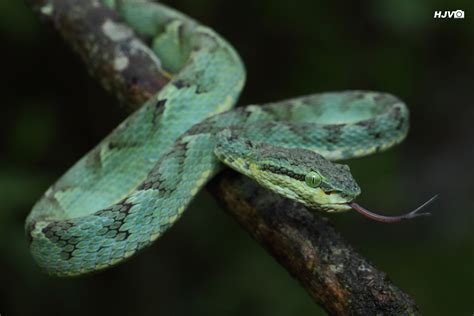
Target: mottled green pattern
137 182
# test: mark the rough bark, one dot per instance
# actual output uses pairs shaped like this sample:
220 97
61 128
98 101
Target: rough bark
114 56
338 278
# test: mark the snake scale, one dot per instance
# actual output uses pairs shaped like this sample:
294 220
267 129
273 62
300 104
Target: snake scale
137 182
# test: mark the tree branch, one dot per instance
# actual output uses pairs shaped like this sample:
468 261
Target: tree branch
305 244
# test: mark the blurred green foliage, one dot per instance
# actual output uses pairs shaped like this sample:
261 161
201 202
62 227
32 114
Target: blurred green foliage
53 113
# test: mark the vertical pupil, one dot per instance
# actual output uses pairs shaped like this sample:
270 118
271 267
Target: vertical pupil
313 179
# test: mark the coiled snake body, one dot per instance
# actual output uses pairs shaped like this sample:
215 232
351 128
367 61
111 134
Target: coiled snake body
137 182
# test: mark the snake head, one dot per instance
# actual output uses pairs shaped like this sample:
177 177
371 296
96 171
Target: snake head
295 173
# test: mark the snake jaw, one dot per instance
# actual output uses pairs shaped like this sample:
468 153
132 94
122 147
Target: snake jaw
335 208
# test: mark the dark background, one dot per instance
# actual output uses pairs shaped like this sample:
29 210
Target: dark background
52 113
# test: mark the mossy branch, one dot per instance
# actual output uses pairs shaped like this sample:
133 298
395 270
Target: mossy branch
338 278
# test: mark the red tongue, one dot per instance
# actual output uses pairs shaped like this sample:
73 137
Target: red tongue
391 219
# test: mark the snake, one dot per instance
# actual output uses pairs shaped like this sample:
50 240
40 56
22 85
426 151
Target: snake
137 182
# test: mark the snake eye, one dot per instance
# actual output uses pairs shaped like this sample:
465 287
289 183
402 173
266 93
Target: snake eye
313 179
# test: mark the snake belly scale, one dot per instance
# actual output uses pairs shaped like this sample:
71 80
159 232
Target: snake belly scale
137 182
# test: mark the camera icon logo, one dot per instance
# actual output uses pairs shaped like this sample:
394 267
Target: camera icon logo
459 14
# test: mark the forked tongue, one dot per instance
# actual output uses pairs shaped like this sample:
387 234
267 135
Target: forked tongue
391 219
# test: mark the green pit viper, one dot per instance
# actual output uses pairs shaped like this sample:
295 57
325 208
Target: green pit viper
137 182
